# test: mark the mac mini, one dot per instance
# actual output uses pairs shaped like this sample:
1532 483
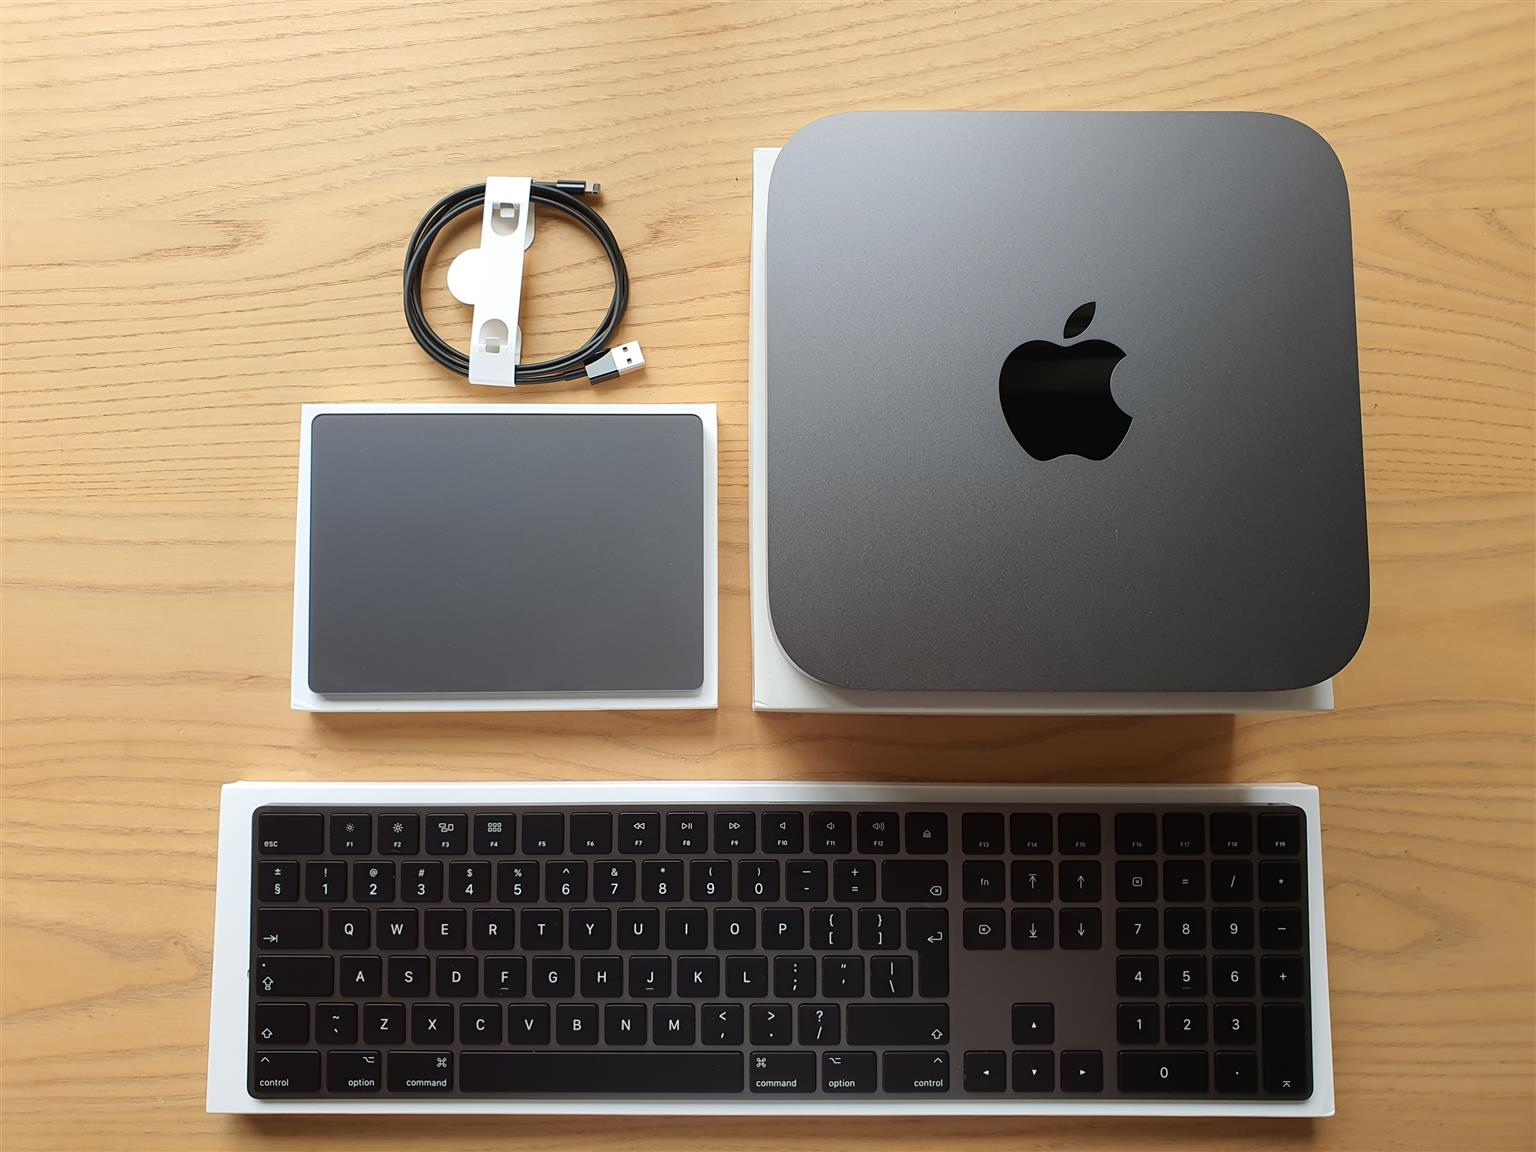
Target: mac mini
1055 412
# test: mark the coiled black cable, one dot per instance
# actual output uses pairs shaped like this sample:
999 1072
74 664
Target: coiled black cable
571 366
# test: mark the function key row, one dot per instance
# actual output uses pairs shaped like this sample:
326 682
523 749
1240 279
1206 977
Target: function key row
553 833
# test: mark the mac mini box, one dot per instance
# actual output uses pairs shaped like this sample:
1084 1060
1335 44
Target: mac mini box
1055 412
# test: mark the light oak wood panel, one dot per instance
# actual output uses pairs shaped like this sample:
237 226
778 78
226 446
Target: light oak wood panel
204 210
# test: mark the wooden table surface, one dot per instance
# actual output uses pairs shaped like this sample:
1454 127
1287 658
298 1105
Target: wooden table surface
205 207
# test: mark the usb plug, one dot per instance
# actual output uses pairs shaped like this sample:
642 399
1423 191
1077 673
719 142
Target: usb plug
617 361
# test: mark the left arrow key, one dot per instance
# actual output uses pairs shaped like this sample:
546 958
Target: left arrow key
288 928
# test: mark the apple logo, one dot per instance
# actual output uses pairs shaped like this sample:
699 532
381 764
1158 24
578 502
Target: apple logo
1056 397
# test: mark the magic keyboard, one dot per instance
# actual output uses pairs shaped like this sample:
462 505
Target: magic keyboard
775 947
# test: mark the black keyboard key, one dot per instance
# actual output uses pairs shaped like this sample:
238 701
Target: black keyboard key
831 929
1237 1072
832 832
1184 928
1081 928
602 977
1287 1057
1184 833
794 976
983 928
853 880
362 976
1082 1071
480 1023
1232 927
783 1072
398 929
1232 976
591 833
281 1024
325 881
544 833
552 977
295 976
708 880
350 929
1184 880
890 977
914 881
408 976
928 937
757 880
783 833
1231 880
1135 881
639 929
1081 881
805 881
735 929
286 1073
447 833
493 928
783 929
1184 975
1280 833
444 929
1136 975
335 1023
613 881
1079 833
687 833
722 1024
848 1072
650 977
687 929
422 882
528 1025
735 832
1279 928
986 1072
1136 1023
576 1024
1034 1024
399 833
878 833
420 1073
290 834
350 1072
1135 833
1186 1024
431 1024
1281 975
983 881
456 976
898 1025
639 832
517 882
672 1025
624 1023
1177 1073
1030 833
927 833
1034 1072
351 834
384 1024
1279 880
288 928
1031 881
1033 929
1135 928
565 881
1236 1024
771 1024
914 1072
373 881
1231 833
842 976
542 930
495 834
277 880
746 977
981 833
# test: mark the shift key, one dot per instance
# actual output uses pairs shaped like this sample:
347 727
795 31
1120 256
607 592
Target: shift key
898 1025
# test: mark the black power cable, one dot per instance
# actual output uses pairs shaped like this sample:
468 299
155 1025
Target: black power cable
594 359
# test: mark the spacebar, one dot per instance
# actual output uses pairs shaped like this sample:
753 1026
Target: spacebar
675 1073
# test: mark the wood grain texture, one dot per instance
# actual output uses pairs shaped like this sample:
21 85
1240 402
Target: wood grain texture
204 210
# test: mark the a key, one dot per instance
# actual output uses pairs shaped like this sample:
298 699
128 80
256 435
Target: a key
1182 1073
1280 976
614 881
398 928
914 881
492 928
672 1024
687 833
928 937
1235 1024
722 1024
420 1072
1184 975
336 1023
986 1072
603 976
447 834
1136 975
1237 1072
1031 881
687 929
290 834
624 1023
444 928
281 1024
878 833
981 833
456 976
408 976
1030 833
1135 881
832 832
794 976
915 1072
1136 1023
709 880
325 881
853 880
286 1073
847 1072
469 881
373 881
898 1025
983 928
1033 929
735 929
757 880
1034 1024
362 976
351 834
1082 1071
1081 881
288 928
1232 927
1185 880
982 881
890 976
565 881
746 976
927 833
542 930
543 833
303 976
879 929
1135 833
421 882
1079 833
1081 928
494 833
831 929
805 881
770 1024
1232 976
783 1072
506 977
553 977
277 880
1280 833
1279 880
399 833
1135 928
591 833
1279 929
350 929
1184 928
431 1024
639 832
528 1024
1034 1072
783 832
783 929
842 976
354 1071
1185 1024
735 832
1231 833
1183 833
517 882
384 1024
576 1024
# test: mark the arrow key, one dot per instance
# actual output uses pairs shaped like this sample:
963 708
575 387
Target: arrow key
1034 1024
282 1024
1034 1072
1081 928
986 1072
1082 1071
1033 928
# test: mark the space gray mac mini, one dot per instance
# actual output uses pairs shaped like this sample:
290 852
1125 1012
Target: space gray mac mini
1054 412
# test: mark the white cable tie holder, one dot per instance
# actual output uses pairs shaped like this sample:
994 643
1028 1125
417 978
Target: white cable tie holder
490 280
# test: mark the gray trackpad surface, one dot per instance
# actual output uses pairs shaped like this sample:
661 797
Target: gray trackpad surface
515 552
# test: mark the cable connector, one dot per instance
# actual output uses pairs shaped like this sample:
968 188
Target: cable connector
577 187
619 361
